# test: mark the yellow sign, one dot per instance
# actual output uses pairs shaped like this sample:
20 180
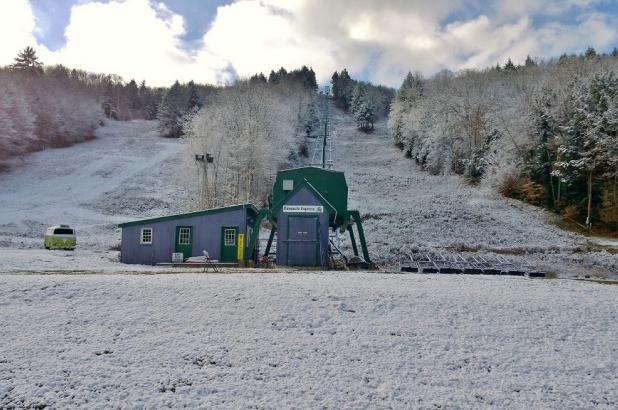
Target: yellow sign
241 247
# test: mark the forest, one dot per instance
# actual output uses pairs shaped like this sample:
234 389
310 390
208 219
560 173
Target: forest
54 106
245 132
544 132
365 101
249 129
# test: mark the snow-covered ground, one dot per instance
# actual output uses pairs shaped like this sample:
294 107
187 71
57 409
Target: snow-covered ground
306 340
127 172
407 209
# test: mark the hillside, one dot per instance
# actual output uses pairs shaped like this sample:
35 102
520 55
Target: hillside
127 172
407 209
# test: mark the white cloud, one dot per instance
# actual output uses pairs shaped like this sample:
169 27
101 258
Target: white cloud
17 25
136 39
388 40
142 38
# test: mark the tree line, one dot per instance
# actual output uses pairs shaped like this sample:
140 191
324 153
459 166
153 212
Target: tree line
44 107
365 101
544 132
55 106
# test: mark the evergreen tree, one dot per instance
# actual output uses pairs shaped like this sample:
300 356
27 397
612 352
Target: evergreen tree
272 77
312 122
543 154
589 144
563 58
358 98
258 78
195 101
365 115
411 89
132 95
171 111
590 53
529 62
614 52
509 66
27 61
342 87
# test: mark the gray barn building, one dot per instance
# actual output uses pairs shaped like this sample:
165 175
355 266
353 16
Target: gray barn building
308 203
224 232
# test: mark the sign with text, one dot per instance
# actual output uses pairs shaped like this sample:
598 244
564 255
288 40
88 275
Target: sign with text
304 209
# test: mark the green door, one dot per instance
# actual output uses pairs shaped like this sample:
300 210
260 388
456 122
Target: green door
184 240
229 244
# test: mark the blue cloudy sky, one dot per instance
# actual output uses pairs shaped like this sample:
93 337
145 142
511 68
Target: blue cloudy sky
216 40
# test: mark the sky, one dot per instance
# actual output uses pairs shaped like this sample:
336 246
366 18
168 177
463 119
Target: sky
216 41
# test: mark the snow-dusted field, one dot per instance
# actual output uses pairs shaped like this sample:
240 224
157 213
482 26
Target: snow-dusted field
306 340
127 172
407 209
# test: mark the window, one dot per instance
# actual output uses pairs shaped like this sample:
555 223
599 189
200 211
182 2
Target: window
146 236
230 237
63 231
184 236
288 184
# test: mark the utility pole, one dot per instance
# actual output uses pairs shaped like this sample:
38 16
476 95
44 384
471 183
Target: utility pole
324 142
205 159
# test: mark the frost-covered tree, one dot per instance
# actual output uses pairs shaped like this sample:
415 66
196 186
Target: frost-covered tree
407 96
542 154
549 129
358 98
194 100
249 128
311 122
365 116
588 148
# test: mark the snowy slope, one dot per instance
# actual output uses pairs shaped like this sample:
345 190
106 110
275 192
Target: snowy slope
342 340
127 172
409 209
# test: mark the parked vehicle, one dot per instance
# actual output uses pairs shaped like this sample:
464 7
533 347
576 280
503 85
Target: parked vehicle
60 237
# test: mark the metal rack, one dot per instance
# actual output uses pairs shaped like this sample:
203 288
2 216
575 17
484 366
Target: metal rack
454 263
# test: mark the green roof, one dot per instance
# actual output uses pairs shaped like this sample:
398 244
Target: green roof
211 211
329 183
311 188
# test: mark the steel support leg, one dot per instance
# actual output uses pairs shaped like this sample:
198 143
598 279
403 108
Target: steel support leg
353 240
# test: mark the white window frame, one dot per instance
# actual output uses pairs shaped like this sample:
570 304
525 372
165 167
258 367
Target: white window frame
187 235
141 236
233 237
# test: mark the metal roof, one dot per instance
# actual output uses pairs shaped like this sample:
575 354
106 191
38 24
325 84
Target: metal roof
249 207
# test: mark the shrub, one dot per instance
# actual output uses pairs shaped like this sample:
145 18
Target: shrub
532 192
511 185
